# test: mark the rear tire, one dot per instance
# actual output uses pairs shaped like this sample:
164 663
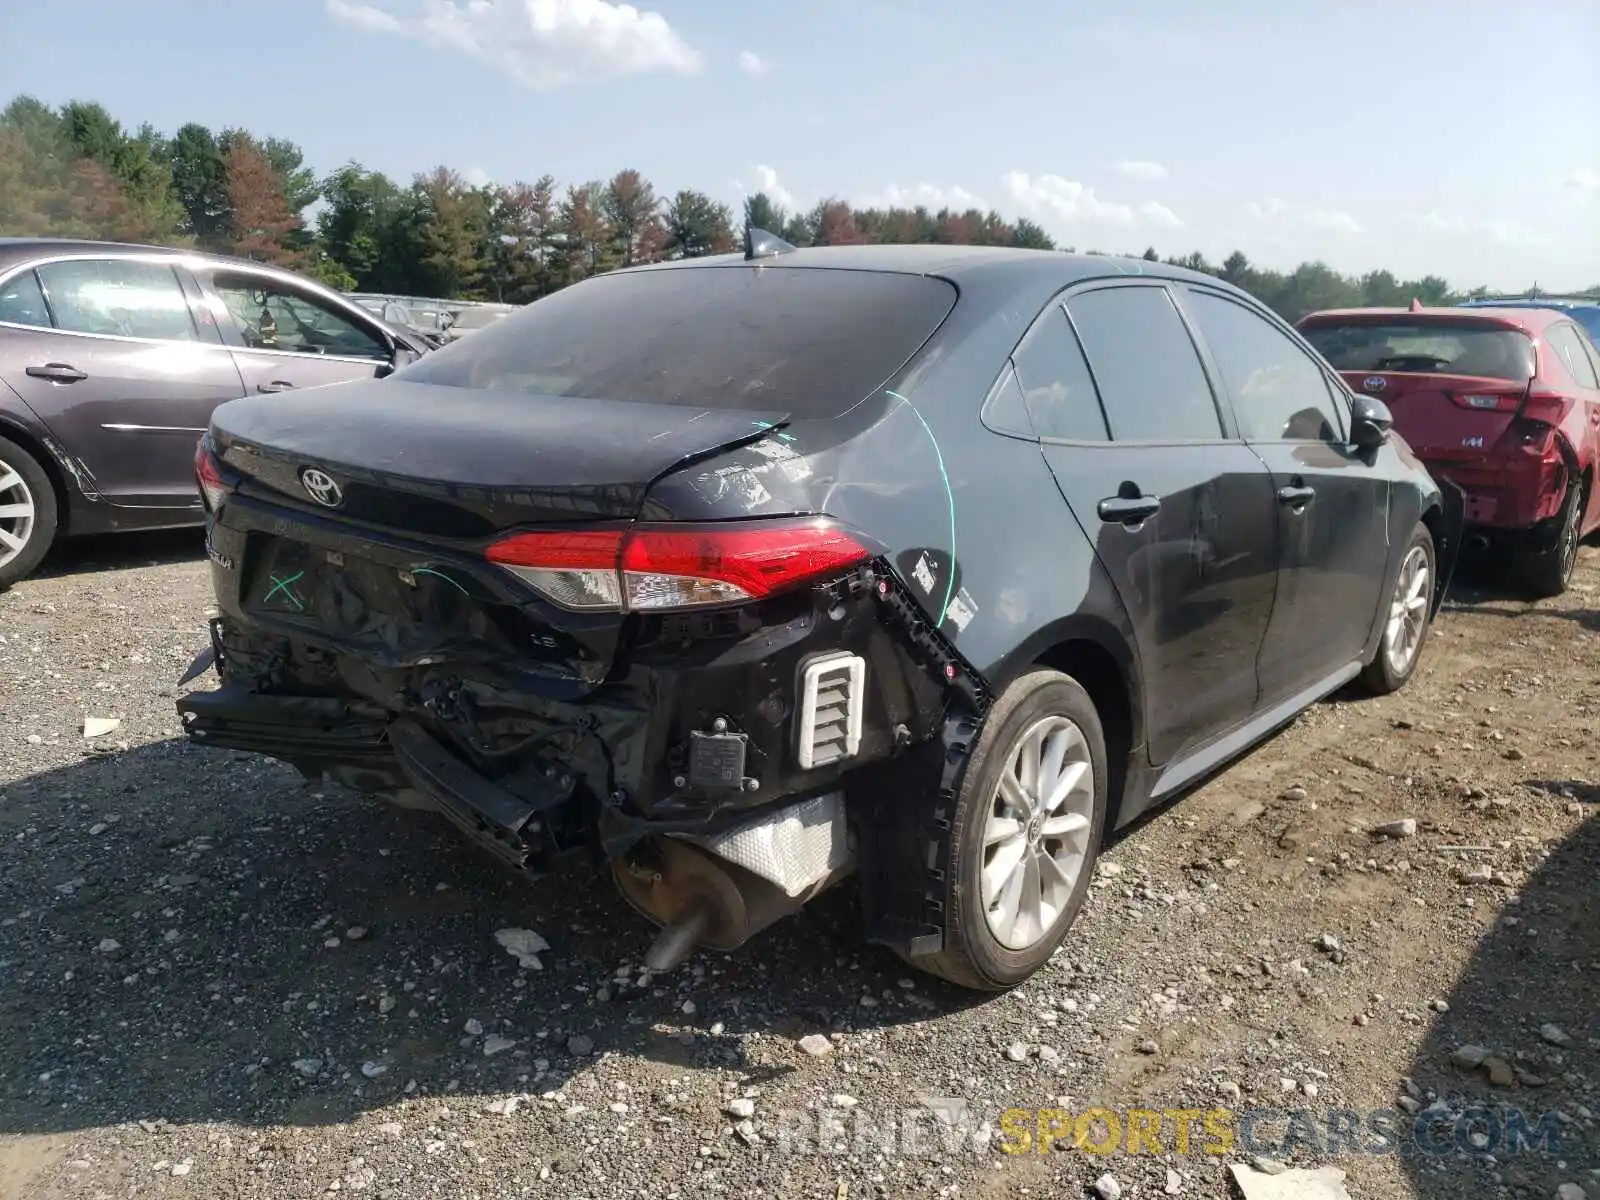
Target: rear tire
1548 573
1018 865
1406 622
28 513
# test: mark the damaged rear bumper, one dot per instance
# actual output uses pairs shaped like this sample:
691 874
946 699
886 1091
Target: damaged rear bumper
364 746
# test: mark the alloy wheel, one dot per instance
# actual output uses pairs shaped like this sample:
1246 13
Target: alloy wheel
1036 837
1408 612
18 513
1569 534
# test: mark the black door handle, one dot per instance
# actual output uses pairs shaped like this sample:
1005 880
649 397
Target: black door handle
57 372
1296 497
1129 510
276 385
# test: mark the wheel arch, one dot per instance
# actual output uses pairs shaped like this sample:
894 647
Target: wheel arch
14 431
1103 659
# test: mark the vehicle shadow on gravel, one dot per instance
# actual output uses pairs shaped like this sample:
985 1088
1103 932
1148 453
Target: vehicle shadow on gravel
122 551
192 935
1530 1001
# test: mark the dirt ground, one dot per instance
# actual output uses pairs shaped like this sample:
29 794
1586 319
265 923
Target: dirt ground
218 982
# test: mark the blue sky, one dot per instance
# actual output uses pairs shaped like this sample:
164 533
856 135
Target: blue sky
1457 137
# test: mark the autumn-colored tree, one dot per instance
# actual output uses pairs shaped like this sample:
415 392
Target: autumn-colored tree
631 209
584 236
525 220
833 223
260 225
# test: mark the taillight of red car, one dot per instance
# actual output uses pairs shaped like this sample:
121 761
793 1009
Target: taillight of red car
209 476
654 568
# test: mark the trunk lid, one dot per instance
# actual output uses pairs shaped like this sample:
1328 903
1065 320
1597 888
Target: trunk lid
463 464
391 576
1444 418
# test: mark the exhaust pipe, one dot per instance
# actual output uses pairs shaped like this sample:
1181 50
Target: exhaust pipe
718 891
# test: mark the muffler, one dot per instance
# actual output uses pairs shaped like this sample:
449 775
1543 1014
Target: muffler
717 891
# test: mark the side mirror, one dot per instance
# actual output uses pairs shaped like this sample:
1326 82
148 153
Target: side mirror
403 356
1370 422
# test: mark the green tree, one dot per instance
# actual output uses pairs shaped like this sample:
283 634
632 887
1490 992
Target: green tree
697 225
1030 236
760 212
1236 269
453 219
200 184
298 181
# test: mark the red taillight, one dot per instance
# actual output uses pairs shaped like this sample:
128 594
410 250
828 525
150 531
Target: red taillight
207 474
652 568
1488 401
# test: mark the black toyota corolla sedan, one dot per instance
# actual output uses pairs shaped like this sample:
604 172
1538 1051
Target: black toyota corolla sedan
926 563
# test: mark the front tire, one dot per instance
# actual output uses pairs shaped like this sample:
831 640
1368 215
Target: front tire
1409 617
1548 573
27 513
1026 830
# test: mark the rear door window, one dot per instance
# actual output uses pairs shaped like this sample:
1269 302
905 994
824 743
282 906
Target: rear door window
1056 383
1145 365
1279 392
807 341
118 298
1567 342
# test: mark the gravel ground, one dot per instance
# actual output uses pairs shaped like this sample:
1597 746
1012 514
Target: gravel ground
216 981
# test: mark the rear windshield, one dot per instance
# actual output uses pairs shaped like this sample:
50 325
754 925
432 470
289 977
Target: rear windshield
809 342
1429 347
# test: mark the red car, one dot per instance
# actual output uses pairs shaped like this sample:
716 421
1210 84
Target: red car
1503 402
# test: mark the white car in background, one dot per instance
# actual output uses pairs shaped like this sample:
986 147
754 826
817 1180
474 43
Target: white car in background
478 316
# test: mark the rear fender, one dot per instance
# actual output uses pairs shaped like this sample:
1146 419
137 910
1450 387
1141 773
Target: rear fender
1447 522
1547 533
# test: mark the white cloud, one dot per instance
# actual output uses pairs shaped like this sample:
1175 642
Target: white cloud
766 181
476 176
539 43
925 195
1505 233
364 16
1585 181
1135 168
1071 200
752 63
1288 216
1159 214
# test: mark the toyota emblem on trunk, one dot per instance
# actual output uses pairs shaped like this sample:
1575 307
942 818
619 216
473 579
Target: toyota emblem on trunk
320 486
1374 383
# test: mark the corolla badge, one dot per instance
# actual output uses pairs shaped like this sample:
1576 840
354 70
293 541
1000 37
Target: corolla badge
321 487
1374 383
